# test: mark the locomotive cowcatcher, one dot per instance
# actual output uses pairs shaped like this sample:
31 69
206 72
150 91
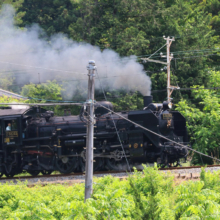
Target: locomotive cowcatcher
34 140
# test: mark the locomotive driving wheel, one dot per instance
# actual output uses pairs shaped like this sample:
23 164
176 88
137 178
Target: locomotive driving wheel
98 163
112 164
66 164
10 174
117 161
2 171
46 172
34 172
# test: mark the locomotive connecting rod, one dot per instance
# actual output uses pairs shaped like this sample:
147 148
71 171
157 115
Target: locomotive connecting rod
90 130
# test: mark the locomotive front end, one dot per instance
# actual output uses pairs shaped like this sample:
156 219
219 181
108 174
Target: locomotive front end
165 138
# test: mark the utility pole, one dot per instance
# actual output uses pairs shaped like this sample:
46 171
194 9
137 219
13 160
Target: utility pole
169 58
90 130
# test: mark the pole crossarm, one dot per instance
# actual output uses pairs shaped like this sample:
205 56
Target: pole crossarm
174 87
154 61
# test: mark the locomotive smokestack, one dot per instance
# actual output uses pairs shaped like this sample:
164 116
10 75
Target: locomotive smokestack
148 100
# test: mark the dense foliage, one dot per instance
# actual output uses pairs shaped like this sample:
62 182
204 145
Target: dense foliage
152 195
47 92
203 116
134 27
8 99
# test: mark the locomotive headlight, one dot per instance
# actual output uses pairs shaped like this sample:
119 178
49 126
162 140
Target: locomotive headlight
167 105
170 104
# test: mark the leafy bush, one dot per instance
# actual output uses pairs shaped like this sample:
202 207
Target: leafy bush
151 192
148 195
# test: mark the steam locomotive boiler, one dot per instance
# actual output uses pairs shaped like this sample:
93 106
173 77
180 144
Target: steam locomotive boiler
34 140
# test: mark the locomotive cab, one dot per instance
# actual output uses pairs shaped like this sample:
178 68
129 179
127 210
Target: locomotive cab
11 131
13 124
11 127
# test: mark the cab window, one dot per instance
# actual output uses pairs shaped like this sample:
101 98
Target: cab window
11 125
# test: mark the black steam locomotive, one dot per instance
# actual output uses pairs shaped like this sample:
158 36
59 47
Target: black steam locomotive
34 140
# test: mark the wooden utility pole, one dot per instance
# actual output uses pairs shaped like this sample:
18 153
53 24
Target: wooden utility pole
90 130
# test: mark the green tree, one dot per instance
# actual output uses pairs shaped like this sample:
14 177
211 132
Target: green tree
47 92
136 27
54 16
8 99
124 101
42 92
17 4
204 117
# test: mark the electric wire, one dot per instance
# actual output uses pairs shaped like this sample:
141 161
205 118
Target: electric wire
114 125
188 51
124 58
32 98
63 81
159 135
194 51
204 55
182 89
157 51
36 67
133 58
179 58
43 104
113 97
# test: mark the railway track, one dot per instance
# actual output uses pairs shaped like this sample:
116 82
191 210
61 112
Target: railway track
79 177
186 168
189 173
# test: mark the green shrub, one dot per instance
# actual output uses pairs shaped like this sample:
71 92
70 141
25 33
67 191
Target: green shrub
150 194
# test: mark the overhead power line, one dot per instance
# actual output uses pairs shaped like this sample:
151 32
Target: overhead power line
32 98
208 88
44 104
156 55
37 67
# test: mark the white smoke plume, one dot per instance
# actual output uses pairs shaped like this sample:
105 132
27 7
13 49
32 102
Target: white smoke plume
60 58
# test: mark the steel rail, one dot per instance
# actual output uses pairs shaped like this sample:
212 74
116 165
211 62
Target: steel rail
58 175
98 172
186 168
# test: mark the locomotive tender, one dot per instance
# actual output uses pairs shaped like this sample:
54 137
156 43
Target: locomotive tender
35 140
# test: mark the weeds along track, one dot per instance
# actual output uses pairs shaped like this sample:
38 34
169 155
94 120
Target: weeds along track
191 169
192 172
188 173
60 178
